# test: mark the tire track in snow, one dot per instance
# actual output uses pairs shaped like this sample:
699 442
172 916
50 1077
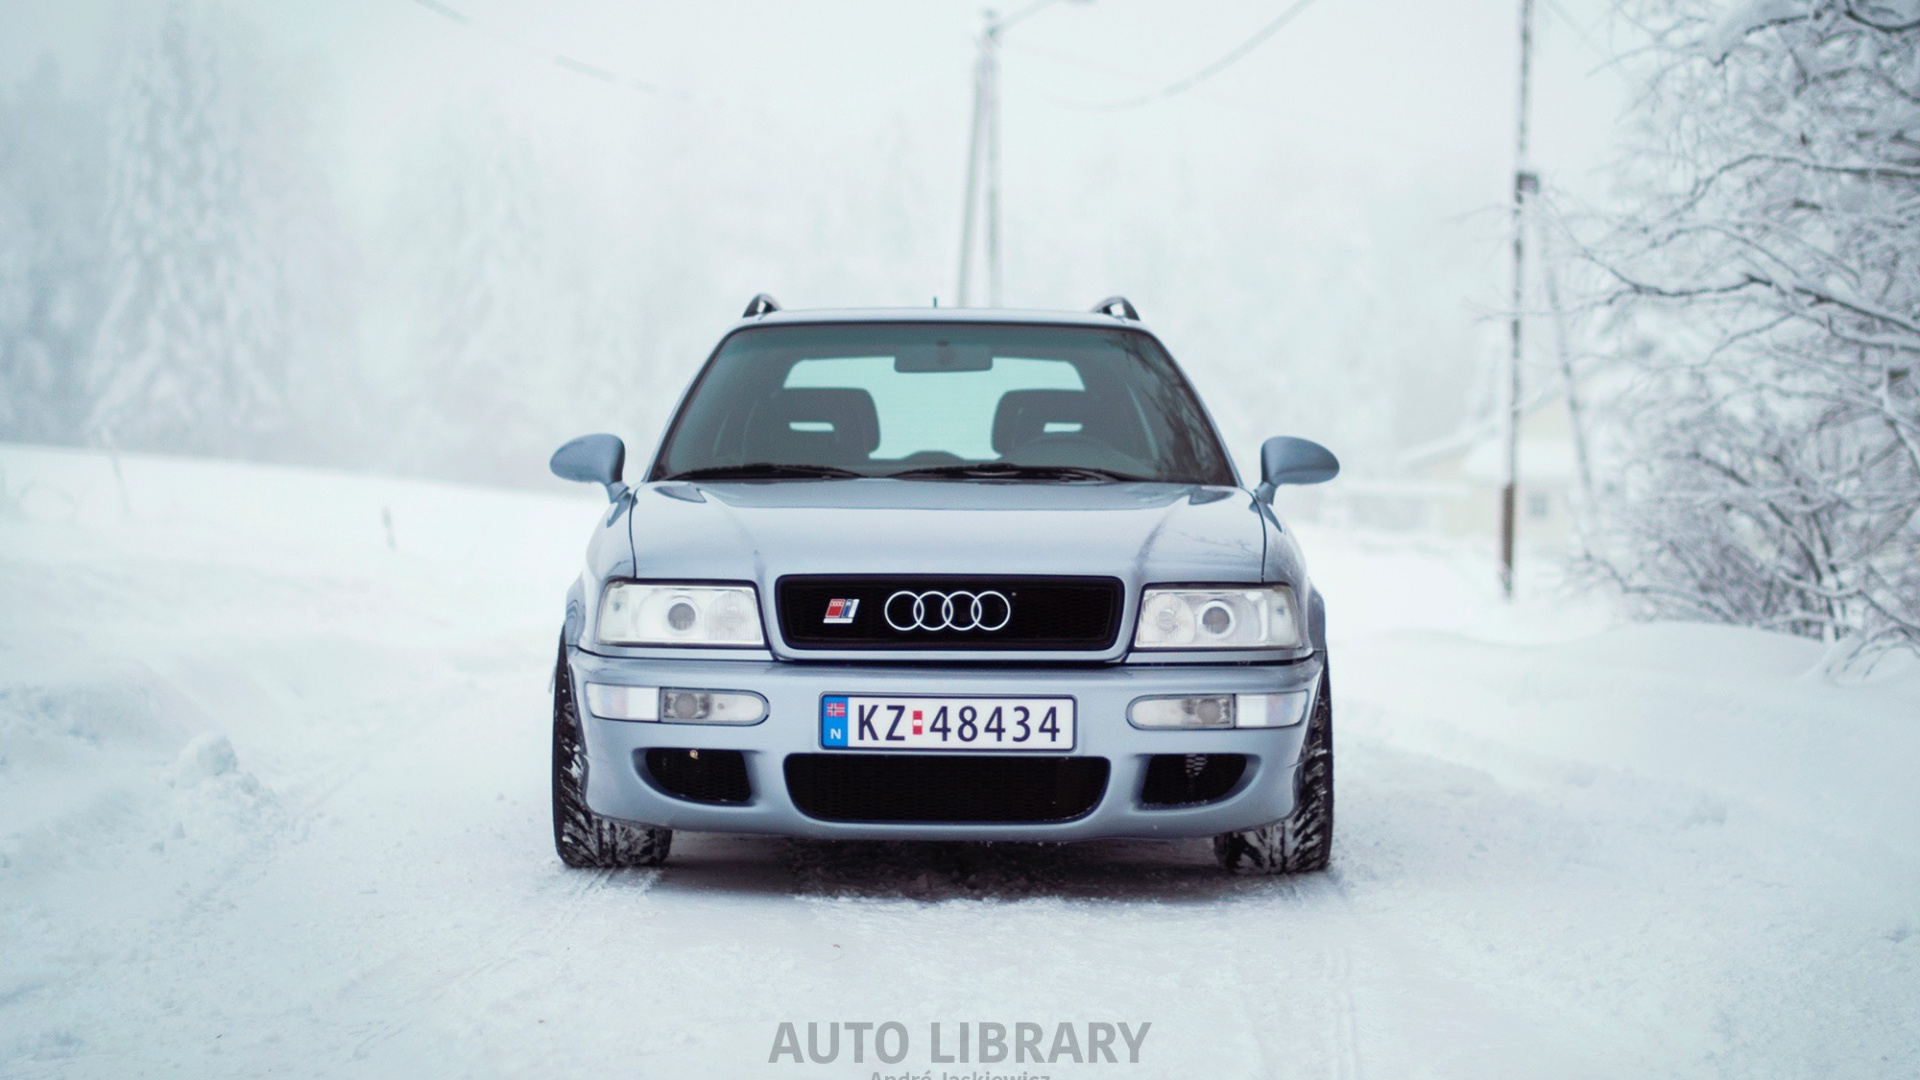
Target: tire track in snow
1344 1060
1327 970
1345 1056
575 900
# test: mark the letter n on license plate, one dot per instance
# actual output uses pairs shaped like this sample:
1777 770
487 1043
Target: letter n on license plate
993 724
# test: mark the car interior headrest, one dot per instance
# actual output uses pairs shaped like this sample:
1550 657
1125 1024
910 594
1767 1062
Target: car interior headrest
832 426
1025 415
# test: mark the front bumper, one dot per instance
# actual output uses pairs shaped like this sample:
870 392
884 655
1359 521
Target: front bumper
618 785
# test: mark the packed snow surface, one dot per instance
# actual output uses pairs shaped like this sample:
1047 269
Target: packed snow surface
273 800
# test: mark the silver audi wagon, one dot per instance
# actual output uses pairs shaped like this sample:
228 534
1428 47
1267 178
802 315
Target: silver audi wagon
943 574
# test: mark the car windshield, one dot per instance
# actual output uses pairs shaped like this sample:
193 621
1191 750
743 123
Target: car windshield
942 401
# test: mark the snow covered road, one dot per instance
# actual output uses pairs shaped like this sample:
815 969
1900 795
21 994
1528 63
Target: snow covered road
273 800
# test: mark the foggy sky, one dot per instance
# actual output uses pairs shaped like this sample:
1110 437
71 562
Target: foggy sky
1365 149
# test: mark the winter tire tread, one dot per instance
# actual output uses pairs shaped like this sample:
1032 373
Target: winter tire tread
1301 842
584 839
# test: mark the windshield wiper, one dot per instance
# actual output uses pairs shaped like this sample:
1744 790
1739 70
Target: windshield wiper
766 470
1002 470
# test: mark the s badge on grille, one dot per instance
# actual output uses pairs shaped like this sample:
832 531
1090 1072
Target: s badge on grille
840 612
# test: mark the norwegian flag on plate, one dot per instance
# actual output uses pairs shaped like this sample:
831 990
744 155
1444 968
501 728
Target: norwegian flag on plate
840 612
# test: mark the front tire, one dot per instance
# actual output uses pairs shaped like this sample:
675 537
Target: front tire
584 839
1301 842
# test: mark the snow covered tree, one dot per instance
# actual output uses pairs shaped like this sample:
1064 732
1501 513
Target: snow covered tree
215 288
1766 289
510 312
51 246
471 287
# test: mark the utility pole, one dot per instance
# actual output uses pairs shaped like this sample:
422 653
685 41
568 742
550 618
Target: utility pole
990 68
985 136
1524 184
980 79
983 153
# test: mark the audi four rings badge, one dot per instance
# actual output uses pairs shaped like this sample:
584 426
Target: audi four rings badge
959 610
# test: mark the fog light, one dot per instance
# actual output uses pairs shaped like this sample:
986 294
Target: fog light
652 703
1208 711
1221 710
712 707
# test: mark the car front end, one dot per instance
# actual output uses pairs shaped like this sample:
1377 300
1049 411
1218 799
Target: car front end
958 651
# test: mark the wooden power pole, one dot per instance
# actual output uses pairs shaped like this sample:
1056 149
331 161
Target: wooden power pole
984 143
1524 184
985 137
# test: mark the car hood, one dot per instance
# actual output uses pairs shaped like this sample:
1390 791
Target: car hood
1141 533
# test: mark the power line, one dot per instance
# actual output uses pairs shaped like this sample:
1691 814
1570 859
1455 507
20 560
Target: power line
1608 61
1083 63
575 66
1227 60
559 60
445 12
1019 16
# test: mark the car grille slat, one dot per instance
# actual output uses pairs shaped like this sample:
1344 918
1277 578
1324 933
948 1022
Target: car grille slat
1045 614
935 788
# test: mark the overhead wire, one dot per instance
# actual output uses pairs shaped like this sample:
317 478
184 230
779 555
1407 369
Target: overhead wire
596 72
1225 61
1239 52
1018 16
560 60
1608 61
1040 90
576 66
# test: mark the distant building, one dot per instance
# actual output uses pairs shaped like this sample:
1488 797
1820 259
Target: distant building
1452 486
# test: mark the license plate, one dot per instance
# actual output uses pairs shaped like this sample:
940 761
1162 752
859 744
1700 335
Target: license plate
858 722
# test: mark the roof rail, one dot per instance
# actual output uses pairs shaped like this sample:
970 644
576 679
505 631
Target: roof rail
760 305
1105 307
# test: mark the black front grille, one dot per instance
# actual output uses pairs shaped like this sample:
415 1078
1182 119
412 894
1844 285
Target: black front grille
944 787
1186 779
708 776
1064 614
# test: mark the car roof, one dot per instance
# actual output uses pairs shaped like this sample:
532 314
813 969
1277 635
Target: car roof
1027 316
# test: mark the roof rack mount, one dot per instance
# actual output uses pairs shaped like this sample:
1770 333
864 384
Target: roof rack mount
1105 307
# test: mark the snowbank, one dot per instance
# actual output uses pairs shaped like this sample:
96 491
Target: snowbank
272 799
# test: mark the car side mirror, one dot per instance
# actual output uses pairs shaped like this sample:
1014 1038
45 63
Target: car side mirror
593 459
1287 460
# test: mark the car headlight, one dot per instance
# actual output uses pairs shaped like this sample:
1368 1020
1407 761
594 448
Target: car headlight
1228 617
654 613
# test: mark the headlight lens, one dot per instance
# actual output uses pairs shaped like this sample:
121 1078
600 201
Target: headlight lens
1247 617
652 613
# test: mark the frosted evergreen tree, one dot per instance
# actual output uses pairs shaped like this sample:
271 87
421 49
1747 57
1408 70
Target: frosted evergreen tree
515 307
472 284
51 246
210 268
